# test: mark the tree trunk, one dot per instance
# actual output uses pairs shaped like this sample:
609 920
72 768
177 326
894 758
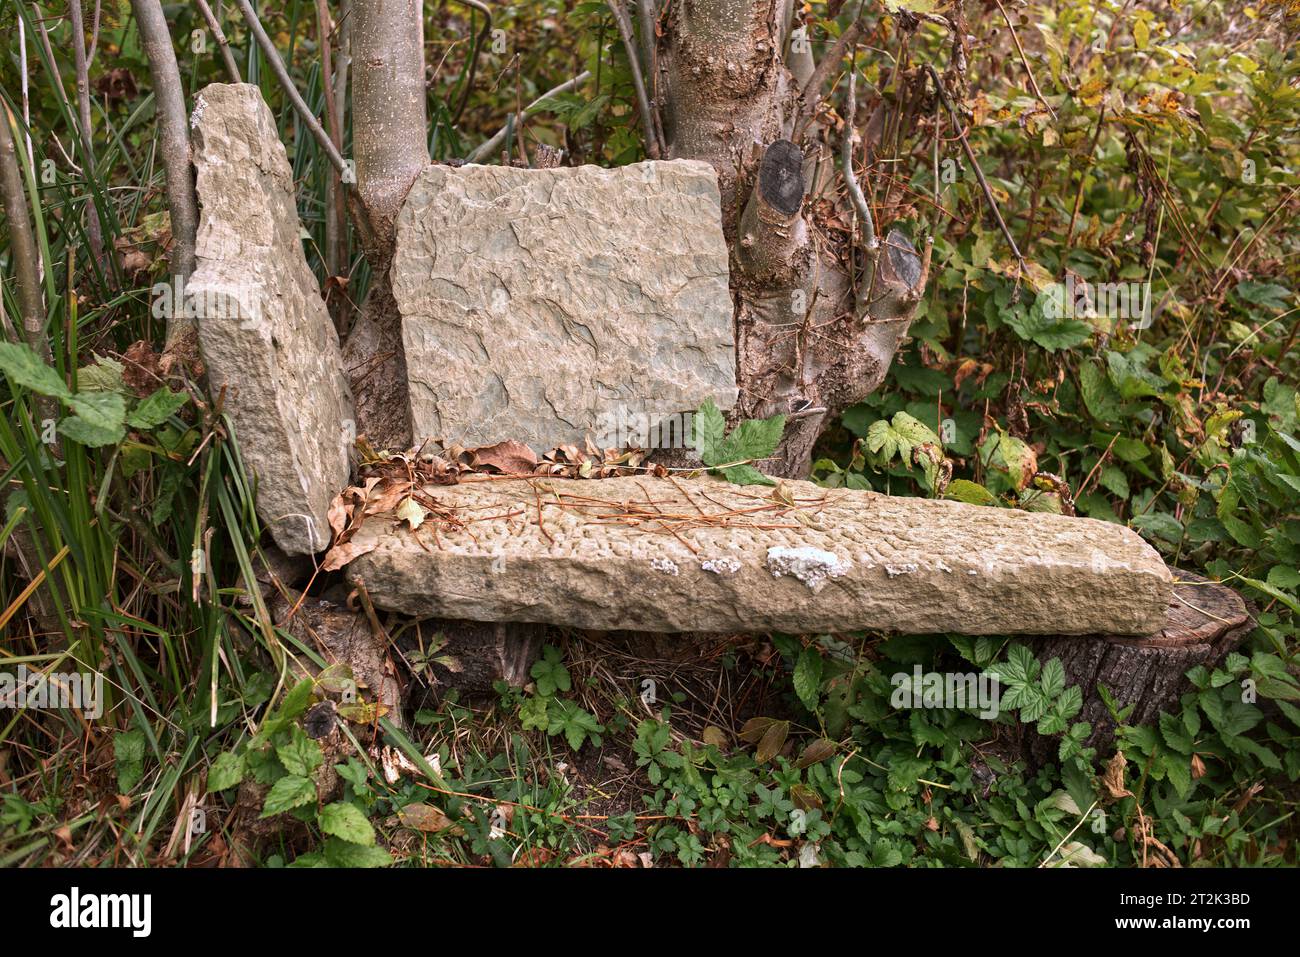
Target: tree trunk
182 343
390 142
1205 622
818 316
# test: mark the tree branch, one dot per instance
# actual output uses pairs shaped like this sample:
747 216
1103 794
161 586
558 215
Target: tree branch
772 229
334 187
649 126
979 173
169 100
214 27
811 93
286 83
94 230
22 242
870 243
493 143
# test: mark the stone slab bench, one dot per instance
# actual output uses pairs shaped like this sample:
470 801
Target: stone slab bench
672 555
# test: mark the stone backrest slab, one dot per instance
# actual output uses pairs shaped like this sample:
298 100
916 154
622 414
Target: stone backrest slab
673 555
544 305
264 331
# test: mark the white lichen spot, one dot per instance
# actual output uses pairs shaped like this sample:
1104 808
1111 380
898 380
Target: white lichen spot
197 116
812 566
972 571
895 570
665 565
721 566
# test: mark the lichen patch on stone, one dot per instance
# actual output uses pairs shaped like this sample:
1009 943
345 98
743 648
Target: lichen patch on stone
665 565
812 566
721 566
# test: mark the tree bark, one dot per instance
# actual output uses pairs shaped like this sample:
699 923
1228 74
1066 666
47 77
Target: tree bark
818 316
391 146
1205 622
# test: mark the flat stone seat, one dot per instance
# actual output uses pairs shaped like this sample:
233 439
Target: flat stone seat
671 555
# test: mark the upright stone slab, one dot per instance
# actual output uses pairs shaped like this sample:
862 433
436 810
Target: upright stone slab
548 304
265 334
678 555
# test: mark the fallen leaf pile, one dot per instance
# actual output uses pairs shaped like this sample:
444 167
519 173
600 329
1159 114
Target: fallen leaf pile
397 484
394 482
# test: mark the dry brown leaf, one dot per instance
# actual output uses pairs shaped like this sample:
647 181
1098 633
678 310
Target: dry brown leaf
339 513
715 736
424 817
508 457
1113 778
340 555
773 740
387 497
818 751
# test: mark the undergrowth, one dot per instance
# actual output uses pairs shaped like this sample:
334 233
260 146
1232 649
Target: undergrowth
1163 152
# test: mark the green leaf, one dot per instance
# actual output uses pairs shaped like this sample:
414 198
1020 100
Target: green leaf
25 368
881 440
1034 325
100 419
1158 524
346 854
88 434
156 409
708 426
1113 480
1131 376
913 430
1053 678
745 475
972 493
226 771
345 821
574 723
289 792
899 437
1098 395
550 673
128 756
297 700
808 677
751 439
1178 769
102 375
1283 576
300 755
532 714
1016 457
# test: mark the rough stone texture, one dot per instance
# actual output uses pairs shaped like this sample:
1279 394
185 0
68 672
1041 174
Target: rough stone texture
534 301
706 556
265 333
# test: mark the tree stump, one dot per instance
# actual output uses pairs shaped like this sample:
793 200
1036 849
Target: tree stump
1205 621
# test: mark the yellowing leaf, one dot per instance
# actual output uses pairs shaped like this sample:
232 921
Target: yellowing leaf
411 512
1141 34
